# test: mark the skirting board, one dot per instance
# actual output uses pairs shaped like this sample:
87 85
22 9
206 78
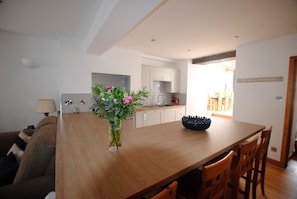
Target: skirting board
260 79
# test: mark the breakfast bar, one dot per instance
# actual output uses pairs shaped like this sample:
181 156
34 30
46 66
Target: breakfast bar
150 156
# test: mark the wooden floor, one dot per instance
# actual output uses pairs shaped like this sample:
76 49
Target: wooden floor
280 183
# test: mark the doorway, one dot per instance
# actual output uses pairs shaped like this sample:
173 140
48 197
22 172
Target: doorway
210 93
289 112
220 91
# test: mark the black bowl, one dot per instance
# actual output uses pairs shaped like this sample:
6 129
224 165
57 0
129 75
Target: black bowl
196 122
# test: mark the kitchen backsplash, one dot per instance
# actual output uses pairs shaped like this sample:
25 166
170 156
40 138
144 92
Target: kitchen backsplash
82 102
75 102
158 95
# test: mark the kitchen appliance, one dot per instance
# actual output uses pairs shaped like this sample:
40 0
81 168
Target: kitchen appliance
174 100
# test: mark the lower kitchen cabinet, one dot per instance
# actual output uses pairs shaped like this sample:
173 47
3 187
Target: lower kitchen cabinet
148 118
152 117
168 115
179 113
139 119
159 116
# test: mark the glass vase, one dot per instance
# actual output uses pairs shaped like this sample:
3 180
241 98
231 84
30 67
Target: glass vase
115 128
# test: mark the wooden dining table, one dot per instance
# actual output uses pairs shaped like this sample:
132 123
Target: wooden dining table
150 157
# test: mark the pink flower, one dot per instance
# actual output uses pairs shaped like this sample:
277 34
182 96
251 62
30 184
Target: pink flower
127 100
108 89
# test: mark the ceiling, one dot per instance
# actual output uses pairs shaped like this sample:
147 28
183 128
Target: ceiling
170 29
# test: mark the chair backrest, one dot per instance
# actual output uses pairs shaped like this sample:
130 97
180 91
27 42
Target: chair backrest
247 153
263 146
168 193
215 178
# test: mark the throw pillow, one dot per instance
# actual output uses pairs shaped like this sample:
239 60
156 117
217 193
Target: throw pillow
19 145
8 169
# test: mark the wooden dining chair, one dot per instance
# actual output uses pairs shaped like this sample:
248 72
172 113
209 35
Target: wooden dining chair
242 165
167 193
211 184
260 162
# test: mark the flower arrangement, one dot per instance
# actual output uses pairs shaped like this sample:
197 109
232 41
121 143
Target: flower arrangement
115 104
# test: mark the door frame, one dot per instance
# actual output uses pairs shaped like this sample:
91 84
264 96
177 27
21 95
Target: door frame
289 111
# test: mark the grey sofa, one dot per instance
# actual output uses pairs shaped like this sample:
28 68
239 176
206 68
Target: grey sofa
35 175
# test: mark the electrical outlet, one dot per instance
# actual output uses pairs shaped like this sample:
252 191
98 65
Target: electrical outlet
273 149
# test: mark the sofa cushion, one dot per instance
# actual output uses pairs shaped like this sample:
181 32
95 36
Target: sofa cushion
38 154
19 145
8 169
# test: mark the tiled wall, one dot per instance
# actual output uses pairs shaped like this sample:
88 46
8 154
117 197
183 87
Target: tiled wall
159 96
82 102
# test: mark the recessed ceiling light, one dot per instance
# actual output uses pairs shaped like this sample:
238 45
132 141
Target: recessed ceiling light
236 36
153 40
189 50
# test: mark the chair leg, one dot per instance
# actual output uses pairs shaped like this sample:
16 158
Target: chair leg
235 188
263 176
255 180
247 185
262 185
254 184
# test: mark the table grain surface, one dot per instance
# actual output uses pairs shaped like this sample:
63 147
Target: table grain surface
150 156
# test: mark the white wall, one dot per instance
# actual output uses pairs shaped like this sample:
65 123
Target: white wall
256 102
63 67
197 93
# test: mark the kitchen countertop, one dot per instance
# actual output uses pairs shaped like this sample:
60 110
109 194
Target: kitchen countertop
156 107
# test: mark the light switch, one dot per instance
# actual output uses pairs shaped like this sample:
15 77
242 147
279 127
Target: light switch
279 98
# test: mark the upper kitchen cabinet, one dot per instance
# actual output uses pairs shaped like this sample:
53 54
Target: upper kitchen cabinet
146 78
161 74
170 76
175 82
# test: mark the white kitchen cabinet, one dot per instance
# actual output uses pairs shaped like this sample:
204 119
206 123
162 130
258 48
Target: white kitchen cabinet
180 112
146 78
175 82
171 76
168 115
139 119
159 115
161 74
174 85
129 122
152 117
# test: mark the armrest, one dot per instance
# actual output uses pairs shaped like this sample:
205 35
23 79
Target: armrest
36 188
7 138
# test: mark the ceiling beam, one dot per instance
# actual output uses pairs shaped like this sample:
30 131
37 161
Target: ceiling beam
226 56
121 17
